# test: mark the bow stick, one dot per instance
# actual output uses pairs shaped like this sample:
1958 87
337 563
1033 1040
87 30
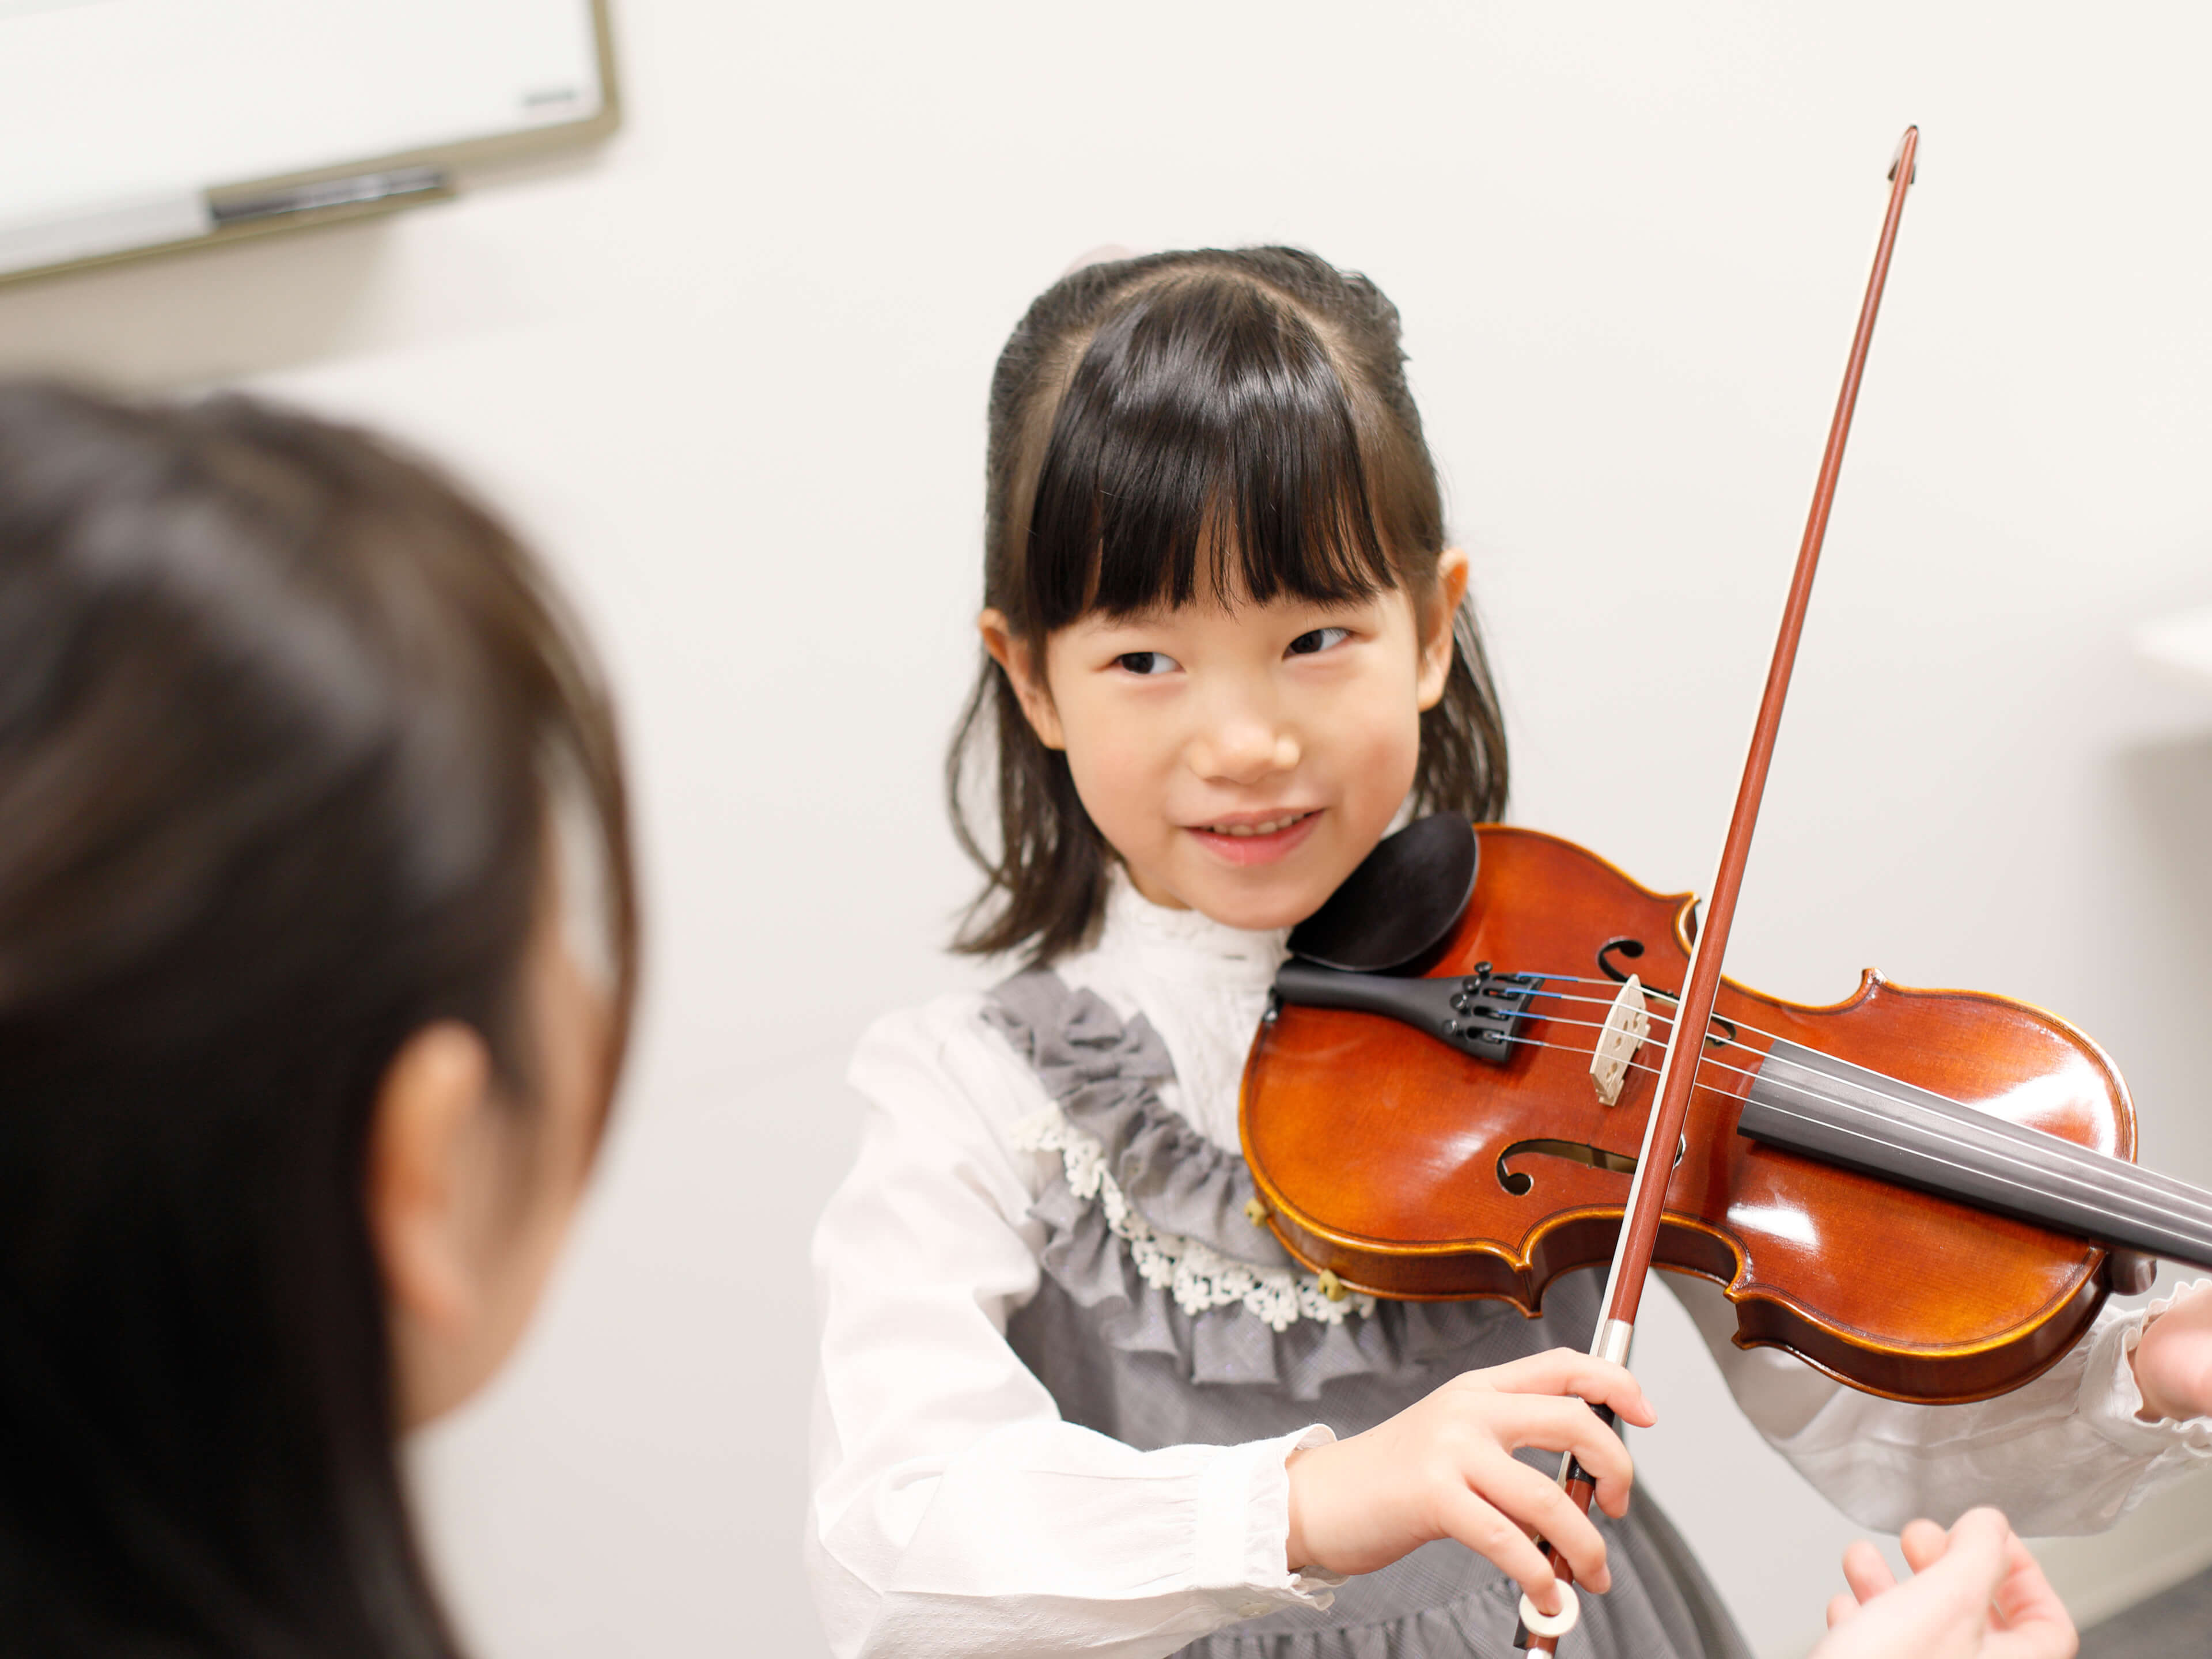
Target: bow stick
1631 1259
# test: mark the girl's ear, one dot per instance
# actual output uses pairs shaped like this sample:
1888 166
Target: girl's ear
1437 630
1026 675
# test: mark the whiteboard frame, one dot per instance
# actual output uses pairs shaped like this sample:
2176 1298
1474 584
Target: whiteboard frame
497 150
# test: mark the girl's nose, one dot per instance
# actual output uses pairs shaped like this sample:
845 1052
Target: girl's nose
1244 751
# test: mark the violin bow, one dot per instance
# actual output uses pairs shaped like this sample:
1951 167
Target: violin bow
1631 1259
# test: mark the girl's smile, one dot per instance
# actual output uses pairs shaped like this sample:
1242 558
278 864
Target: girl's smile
1241 839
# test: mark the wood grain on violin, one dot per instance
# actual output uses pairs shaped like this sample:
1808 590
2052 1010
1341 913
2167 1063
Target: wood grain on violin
1390 1157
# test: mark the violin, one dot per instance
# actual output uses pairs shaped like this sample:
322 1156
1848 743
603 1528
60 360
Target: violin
1493 1058
1927 1195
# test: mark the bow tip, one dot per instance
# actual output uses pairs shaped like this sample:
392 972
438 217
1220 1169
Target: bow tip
1908 145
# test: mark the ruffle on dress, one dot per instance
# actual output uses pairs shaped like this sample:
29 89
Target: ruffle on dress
1145 1222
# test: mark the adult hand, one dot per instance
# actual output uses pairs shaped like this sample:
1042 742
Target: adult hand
1976 1593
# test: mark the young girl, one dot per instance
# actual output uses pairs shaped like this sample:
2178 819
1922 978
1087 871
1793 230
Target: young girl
1072 1400
315 945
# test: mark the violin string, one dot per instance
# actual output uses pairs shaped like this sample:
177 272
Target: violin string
1667 998
1658 1016
1663 1016
2140 1183
1730 1043
2133 1183
1631 1065
1666 1014
1600 1026
2123 1179
1585 1053
2123 1175
1713 1039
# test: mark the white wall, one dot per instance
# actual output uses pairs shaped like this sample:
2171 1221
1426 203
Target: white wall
731 375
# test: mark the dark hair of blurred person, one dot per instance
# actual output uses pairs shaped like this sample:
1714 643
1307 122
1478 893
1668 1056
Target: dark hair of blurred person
316 945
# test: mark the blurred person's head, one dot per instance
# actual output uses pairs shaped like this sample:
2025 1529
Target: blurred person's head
317 944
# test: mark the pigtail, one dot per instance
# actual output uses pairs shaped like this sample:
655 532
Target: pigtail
1044 885
1462 766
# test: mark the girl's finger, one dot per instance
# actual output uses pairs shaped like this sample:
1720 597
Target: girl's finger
1866 1572
1535 1501
1569 1371
1550 1424
1505 1546
1841 1607
1565 1371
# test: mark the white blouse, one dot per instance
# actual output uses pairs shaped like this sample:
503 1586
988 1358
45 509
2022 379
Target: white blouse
953 1511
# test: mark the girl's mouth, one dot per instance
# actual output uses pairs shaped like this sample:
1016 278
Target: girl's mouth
1260 841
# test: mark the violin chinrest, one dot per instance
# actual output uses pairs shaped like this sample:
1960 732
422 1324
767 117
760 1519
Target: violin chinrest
1399 904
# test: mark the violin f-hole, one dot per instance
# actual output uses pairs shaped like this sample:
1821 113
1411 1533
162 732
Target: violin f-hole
1519 1181
1631 948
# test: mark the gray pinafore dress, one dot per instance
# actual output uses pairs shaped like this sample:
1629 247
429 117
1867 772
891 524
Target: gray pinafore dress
1165 1317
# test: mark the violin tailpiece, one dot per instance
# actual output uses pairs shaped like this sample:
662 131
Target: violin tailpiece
1481 1013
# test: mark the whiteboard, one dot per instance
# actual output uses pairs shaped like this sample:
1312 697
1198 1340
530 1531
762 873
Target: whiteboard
127 125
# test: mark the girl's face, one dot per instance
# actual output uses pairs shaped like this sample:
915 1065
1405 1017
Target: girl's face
1242 759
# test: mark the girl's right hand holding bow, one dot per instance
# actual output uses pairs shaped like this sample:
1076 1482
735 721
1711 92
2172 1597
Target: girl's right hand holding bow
1445 1467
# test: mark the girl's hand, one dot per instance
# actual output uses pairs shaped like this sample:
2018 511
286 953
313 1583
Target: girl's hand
1443 1467
1976 1594
2174 1361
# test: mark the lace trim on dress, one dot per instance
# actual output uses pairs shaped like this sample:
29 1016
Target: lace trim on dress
1196 1274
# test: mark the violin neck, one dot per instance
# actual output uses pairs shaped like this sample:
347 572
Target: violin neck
1805 1102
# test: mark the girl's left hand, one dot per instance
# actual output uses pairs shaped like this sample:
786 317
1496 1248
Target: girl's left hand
2174 1361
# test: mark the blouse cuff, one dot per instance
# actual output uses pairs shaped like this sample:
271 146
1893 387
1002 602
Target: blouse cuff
2110 1399
1244 1529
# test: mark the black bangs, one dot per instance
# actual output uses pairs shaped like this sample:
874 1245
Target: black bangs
1205 437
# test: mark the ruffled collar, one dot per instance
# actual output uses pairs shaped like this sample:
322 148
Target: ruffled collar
1167 944
1147 1224
1202 984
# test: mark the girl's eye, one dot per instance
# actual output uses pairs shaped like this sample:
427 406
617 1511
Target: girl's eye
1145 662
1319 638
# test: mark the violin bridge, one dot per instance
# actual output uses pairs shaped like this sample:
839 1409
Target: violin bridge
1627 1023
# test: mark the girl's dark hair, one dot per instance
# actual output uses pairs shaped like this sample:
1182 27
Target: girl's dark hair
1235 422
286 725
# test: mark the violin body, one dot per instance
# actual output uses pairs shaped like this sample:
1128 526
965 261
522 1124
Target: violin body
1387 1157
